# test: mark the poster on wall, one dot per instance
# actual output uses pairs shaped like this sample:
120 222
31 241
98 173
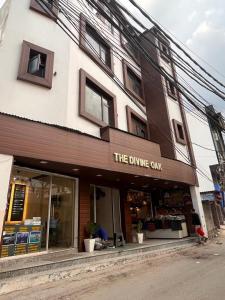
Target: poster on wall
22 237
35 237
9 238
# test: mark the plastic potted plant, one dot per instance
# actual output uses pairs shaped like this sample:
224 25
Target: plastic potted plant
140 234
89 243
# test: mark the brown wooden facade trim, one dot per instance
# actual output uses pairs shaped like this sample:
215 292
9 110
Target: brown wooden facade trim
131 112
156 102
37 7
93 56
42 142
23 67
110 96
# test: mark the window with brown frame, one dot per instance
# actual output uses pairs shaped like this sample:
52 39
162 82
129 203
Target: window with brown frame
171 90
136 124
52 5
131 50
95 45
179 132
133 83
97 104
36 65
164 50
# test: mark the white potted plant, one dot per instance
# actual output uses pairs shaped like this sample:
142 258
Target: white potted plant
140 234
90 242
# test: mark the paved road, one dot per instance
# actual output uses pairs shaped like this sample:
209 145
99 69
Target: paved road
193 274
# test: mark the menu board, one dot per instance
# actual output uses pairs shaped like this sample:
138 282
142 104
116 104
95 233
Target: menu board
18 202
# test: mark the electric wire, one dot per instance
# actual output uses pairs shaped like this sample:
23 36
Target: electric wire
67 30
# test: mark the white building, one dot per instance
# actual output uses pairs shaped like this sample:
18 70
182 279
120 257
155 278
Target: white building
78 148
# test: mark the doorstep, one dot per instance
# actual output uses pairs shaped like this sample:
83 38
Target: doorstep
18 266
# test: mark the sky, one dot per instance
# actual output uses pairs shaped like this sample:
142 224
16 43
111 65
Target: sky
198 24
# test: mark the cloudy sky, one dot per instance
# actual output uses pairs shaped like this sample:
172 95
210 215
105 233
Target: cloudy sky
199 24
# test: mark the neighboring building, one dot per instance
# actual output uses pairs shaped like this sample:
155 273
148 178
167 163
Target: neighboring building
208 148
75 148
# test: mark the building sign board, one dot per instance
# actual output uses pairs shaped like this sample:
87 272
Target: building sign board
136 161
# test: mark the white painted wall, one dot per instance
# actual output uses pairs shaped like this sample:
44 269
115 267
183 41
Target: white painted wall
4 11
60 104
197 203
6 162
200 134
182 152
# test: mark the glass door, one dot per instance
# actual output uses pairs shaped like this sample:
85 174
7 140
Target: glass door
105 209
61 221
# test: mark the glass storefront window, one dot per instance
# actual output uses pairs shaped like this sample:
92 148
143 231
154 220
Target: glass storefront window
39 214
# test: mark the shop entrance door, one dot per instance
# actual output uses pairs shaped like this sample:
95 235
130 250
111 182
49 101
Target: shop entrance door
106 209
40 213
61 220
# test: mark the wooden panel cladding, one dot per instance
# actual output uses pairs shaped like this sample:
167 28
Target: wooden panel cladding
84 211
23 73
31 139
156 104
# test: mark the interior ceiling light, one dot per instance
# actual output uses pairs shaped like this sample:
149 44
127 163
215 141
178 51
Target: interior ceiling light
76 170
43 162
136 176
155 179
99 175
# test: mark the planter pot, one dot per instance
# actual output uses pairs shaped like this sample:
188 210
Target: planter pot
140 238
89 245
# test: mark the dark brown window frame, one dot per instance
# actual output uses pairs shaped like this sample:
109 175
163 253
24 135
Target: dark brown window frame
170 94
36 7
131 112
164 43
126 82
84 76
123 45
82 44
179 140
23 67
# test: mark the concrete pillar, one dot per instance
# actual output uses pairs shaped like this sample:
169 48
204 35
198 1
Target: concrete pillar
197 203
6 162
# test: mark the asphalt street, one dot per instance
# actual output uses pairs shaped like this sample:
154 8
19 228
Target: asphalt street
196 273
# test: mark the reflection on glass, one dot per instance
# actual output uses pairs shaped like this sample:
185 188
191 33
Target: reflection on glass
61 213
93 104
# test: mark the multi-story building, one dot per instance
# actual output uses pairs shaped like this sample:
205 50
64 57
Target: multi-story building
89 133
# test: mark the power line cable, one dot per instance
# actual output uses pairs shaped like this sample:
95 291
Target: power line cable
175 43
75 40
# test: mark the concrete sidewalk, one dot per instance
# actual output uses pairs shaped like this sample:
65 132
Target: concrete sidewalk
18 273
